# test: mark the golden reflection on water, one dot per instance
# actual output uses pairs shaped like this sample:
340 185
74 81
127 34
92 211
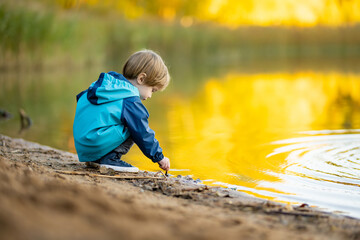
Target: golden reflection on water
242 130
224 131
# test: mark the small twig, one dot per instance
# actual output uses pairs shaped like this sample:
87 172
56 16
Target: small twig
160 172
16 151
106 176
298 214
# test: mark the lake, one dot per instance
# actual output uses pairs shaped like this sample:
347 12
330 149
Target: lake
291 136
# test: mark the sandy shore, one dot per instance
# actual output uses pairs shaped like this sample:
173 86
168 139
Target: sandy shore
47 194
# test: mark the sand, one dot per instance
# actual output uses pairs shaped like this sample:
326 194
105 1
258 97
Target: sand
41 198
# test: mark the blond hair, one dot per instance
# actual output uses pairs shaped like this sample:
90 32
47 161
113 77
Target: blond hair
150 63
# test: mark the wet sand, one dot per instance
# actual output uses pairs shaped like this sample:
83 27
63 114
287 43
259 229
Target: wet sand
47 194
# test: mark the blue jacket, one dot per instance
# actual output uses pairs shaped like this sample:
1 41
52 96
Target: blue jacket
107 113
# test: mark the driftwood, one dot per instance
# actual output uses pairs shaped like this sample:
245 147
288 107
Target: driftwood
106 176
5 114
25 120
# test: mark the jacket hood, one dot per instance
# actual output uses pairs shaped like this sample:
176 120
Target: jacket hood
111 86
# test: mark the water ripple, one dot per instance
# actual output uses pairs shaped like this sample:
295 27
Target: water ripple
322 169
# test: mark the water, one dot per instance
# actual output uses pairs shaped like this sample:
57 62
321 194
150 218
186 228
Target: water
324 167
281 135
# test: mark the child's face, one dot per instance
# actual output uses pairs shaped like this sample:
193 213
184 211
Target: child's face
146 91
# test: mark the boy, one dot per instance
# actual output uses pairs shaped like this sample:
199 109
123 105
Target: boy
110 116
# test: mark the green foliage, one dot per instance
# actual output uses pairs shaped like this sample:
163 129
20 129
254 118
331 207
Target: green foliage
28 36
23 30
58 36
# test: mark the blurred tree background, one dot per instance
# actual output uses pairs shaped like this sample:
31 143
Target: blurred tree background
188 34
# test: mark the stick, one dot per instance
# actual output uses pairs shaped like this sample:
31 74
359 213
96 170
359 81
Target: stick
160 172
106 176
298 214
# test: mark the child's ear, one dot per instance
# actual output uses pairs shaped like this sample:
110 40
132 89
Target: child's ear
141 78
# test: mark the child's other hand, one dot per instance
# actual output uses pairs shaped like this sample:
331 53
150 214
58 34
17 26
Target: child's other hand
164 164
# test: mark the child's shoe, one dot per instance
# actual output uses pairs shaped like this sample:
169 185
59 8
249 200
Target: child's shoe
113 161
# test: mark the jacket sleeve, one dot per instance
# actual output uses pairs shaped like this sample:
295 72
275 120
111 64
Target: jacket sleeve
135 117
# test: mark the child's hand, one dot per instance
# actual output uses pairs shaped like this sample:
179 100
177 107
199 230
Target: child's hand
164 164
